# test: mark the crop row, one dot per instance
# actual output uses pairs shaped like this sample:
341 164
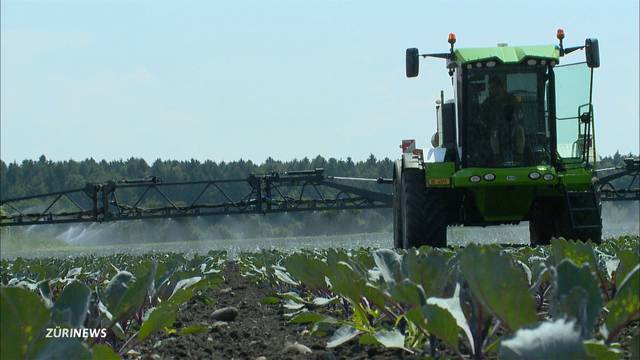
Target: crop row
566 300
97 307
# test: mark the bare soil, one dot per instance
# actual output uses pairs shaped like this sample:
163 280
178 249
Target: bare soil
259 330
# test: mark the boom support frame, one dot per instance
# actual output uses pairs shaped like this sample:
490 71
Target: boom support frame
293 191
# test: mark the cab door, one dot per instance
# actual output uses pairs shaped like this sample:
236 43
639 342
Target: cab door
574 112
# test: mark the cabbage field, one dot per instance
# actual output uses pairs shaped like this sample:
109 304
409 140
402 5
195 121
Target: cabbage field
568 300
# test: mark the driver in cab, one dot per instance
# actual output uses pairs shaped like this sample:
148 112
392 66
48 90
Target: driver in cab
501 115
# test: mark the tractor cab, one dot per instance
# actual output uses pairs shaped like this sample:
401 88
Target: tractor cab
516 106
520 128
503 114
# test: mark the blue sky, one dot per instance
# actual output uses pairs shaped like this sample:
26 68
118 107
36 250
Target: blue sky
225 80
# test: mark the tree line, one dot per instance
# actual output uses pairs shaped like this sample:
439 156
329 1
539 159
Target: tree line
41 176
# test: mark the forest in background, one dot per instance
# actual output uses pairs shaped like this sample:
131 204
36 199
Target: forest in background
36 177
41 176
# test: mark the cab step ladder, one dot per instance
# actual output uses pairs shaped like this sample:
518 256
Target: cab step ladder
584 210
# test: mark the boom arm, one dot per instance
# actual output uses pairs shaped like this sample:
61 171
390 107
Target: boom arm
150 198
631 191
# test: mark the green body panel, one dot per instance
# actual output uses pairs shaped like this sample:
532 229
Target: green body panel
510 195
504 203
438 175
577 179
504 177
507 54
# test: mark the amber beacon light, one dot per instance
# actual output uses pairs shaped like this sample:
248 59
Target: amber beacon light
452 38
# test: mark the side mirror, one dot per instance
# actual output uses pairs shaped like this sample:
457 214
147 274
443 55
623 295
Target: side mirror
592 53
413 62
435 140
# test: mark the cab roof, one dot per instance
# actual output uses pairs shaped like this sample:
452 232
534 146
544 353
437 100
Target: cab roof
507 54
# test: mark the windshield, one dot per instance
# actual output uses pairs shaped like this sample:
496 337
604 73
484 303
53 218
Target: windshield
506 117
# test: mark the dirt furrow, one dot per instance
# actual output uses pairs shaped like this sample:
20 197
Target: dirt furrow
258 330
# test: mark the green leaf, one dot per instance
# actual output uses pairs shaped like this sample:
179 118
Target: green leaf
442 324
390 338
390 265
322 301
506 296
134 296
284 277
44 288
342 335
628 261
436 321
103 352
625 307
292 305
63 348
307 317
548 340
72 305
598 350
193 329
576 294
527 271
74 272
407 292
367 339
374 295
324 327
106 320
428 269
185 283
183 291
269 300
117 287
334 256
635 345
292 296
161 317
576 251
307 269
540 275
346 282
23 317
452 305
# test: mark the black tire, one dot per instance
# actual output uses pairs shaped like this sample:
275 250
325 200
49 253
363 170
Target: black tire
424 212
437 214
541 224
397 208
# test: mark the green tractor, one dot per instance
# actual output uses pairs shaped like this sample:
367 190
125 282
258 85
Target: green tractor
515 144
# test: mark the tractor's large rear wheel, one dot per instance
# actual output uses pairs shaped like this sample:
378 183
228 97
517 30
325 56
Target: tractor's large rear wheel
423 211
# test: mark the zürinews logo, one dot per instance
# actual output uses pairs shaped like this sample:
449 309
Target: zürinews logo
59 332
